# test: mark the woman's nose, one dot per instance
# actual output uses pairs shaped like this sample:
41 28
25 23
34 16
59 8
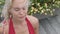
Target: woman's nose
21 11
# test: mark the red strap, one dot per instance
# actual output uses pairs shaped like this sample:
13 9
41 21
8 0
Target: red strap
30 27
11 29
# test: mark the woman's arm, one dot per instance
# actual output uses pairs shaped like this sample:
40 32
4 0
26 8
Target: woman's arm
1 28
37 28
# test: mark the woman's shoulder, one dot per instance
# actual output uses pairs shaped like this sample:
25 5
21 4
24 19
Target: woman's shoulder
32 18
34 21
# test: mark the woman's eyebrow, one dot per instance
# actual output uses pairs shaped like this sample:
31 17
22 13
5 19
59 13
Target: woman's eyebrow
20 7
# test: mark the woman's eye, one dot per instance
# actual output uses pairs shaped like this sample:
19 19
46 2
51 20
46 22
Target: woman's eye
16 9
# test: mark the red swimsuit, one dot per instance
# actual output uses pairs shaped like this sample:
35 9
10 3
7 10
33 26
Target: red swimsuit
30 28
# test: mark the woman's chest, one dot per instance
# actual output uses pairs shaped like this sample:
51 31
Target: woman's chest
21 30
17 30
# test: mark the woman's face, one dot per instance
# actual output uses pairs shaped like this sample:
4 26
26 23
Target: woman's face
19 9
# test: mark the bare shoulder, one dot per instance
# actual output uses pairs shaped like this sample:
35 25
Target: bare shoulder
34 21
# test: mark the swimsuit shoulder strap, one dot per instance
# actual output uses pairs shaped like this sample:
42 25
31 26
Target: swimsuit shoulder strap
11 28
30 27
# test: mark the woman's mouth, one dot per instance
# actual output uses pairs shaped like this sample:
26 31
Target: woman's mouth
21 16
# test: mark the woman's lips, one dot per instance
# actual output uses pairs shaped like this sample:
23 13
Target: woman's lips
21 16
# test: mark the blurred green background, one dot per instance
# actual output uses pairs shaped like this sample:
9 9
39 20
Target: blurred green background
45 7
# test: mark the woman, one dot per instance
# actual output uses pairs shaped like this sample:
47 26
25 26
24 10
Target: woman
16 19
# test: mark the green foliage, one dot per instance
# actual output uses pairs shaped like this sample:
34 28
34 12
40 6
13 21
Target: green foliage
44 7
1 5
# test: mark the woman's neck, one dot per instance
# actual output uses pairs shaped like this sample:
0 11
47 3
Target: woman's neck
18 21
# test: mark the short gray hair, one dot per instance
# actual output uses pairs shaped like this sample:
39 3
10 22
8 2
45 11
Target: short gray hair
6 7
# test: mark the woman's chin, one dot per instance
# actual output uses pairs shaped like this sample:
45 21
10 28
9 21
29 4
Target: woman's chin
21 18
